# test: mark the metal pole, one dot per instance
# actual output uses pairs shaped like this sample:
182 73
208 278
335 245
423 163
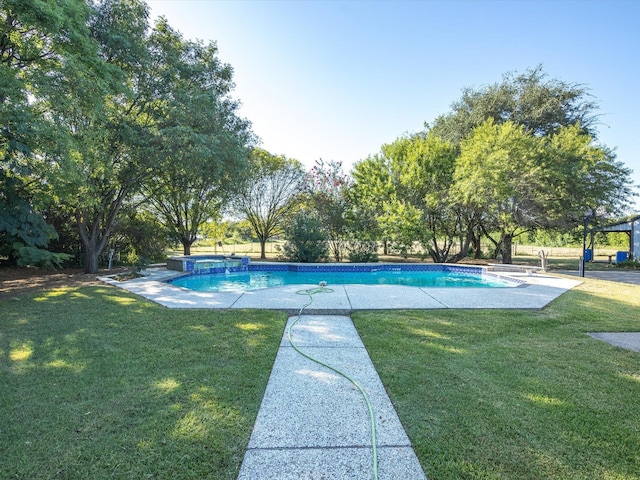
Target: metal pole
591 214
584 245
581 267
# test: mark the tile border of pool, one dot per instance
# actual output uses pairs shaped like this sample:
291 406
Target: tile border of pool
346 268
535 292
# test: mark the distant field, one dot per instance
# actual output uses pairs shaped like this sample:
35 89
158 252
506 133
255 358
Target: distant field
565 251
251 249
566 255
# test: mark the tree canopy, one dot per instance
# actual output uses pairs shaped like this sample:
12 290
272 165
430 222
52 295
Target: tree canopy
103 116
100 113
327 186
202 144
541 105
510 158
268 197
45 49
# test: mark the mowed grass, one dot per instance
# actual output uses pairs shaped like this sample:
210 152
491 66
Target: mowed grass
503 394
96 383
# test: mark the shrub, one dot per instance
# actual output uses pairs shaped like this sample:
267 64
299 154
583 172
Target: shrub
140 234
141 264
629 264
306 239
24 233
362 251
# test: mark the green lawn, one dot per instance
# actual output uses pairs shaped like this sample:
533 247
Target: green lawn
516 394
96 383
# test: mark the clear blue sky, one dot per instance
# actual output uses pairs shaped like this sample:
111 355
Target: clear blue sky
338 79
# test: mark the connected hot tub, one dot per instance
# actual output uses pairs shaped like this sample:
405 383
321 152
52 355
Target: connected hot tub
206 264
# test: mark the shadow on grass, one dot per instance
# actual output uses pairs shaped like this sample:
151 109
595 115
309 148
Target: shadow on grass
97 383
515 394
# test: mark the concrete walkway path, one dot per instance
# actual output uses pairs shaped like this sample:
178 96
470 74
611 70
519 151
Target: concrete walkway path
613 275
628 340
314 424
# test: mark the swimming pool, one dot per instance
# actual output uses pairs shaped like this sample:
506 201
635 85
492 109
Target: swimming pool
259 276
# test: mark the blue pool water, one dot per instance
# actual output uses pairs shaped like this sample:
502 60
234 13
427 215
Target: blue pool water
258 279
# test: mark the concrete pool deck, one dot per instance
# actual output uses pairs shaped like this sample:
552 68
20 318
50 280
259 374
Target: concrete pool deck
536 293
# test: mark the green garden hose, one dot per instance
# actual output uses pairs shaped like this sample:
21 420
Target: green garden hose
311 292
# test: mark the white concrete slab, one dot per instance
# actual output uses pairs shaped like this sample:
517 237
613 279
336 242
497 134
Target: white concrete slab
312 406
383 297
536 293
322 331
292 298
174 297
330 464
628 340
313 423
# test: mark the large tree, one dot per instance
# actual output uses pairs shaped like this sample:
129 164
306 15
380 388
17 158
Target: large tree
531 99
107 153
370 191
268 197
521 181
422 169
45 48
204 144
499 173
155 105
564 116
407 188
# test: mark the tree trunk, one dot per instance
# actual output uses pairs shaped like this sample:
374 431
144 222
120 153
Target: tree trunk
496 243
95 228
466 241
93 242
434 252
475 242
90 257
335 246
507 244
263 245
186 246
